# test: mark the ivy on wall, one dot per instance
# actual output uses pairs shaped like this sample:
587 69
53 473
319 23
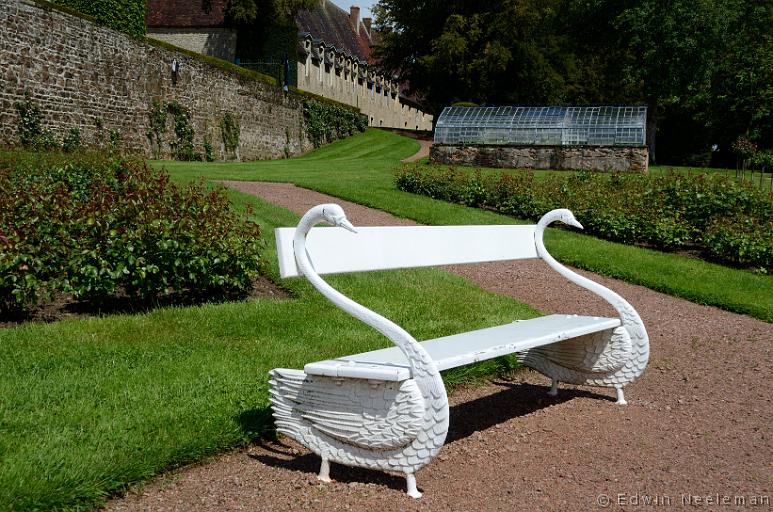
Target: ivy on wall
157 126
182 147
230 131
124 15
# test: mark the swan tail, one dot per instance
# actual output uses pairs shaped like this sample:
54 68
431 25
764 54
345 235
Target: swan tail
285 386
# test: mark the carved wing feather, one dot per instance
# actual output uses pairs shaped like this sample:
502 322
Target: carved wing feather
596 353
368 414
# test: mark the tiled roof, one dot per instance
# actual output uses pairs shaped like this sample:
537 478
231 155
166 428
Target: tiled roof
333 26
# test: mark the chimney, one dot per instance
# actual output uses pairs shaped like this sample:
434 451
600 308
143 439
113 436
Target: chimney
367 22
354 17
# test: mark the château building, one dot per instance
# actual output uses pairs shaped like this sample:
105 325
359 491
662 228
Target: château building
333 55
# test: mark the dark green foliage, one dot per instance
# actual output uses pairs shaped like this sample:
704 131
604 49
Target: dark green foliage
182 146
209 154
71 141
326 122
99 129
46 141
230 132
731 220
763 160
744 239
252 12
156 126
704 67
103 227
123 15
114 140
28 125
263 47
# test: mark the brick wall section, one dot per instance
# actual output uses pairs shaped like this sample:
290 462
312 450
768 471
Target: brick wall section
591 158
78 72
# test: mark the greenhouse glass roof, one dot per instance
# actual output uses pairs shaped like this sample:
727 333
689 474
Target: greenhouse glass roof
543 126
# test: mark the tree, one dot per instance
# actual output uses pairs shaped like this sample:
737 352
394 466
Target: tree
704 67
740 98
263 12
481 52
674 47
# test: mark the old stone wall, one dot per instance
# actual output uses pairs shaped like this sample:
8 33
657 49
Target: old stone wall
591 158
82 75
217 42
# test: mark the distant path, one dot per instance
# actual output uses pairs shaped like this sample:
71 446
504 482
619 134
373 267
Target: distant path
423 151
698 423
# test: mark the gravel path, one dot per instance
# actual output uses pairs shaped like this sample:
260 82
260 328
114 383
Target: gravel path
697 430
422 152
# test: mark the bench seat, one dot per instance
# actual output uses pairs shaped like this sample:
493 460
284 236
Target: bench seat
390 364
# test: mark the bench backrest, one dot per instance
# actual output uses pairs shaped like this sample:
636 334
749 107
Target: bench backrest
335 250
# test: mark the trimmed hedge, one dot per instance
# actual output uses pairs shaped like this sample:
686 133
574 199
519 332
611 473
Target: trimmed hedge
326 122
104 228
729 221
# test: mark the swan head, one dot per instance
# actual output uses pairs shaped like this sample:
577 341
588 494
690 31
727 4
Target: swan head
563 215
335 216
567 217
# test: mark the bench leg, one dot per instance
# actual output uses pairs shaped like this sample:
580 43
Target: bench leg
554 388
413 492
324 471
620 396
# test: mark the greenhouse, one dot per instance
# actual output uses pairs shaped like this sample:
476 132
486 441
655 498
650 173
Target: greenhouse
596 138
543 126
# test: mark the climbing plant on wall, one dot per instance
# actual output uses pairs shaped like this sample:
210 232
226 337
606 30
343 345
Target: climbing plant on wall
182 147
230 131
157 126
124 15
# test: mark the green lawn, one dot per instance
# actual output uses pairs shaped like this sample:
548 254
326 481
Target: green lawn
361 169
90 406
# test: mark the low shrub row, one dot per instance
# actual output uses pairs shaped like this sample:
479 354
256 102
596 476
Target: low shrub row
327 121
102 228
729 221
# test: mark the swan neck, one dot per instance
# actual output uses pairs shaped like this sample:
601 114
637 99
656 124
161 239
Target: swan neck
616 301
413 351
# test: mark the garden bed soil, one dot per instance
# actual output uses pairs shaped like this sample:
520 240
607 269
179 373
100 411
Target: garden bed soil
64 307
697 428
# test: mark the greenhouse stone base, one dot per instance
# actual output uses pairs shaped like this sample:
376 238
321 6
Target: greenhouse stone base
591 158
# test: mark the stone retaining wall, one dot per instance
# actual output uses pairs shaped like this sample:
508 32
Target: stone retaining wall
81 74
217 42
592 158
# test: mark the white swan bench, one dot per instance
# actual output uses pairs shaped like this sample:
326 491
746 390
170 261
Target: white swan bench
387 409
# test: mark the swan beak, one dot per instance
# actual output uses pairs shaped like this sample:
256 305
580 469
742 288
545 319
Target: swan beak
344 223
574 222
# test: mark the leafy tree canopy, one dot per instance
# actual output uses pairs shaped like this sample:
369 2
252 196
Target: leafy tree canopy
704 65
263 12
